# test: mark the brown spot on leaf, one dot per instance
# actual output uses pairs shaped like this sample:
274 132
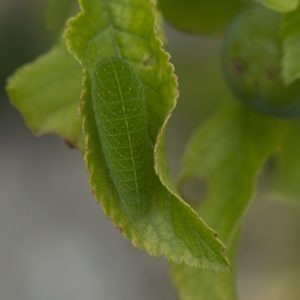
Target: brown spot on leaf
93 192
239 66
70 144
120 229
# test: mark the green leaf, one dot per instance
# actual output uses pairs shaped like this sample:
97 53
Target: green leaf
202 17
196 284
286 183
123 36
47 93
291 46
227 152
280 5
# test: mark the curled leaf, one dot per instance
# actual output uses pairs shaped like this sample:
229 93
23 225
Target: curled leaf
127 32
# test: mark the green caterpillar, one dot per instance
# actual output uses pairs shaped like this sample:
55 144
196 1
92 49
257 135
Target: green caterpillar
121 118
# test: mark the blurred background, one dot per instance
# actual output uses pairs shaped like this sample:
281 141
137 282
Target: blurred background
55 242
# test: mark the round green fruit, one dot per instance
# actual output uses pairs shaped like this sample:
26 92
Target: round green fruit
252 56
